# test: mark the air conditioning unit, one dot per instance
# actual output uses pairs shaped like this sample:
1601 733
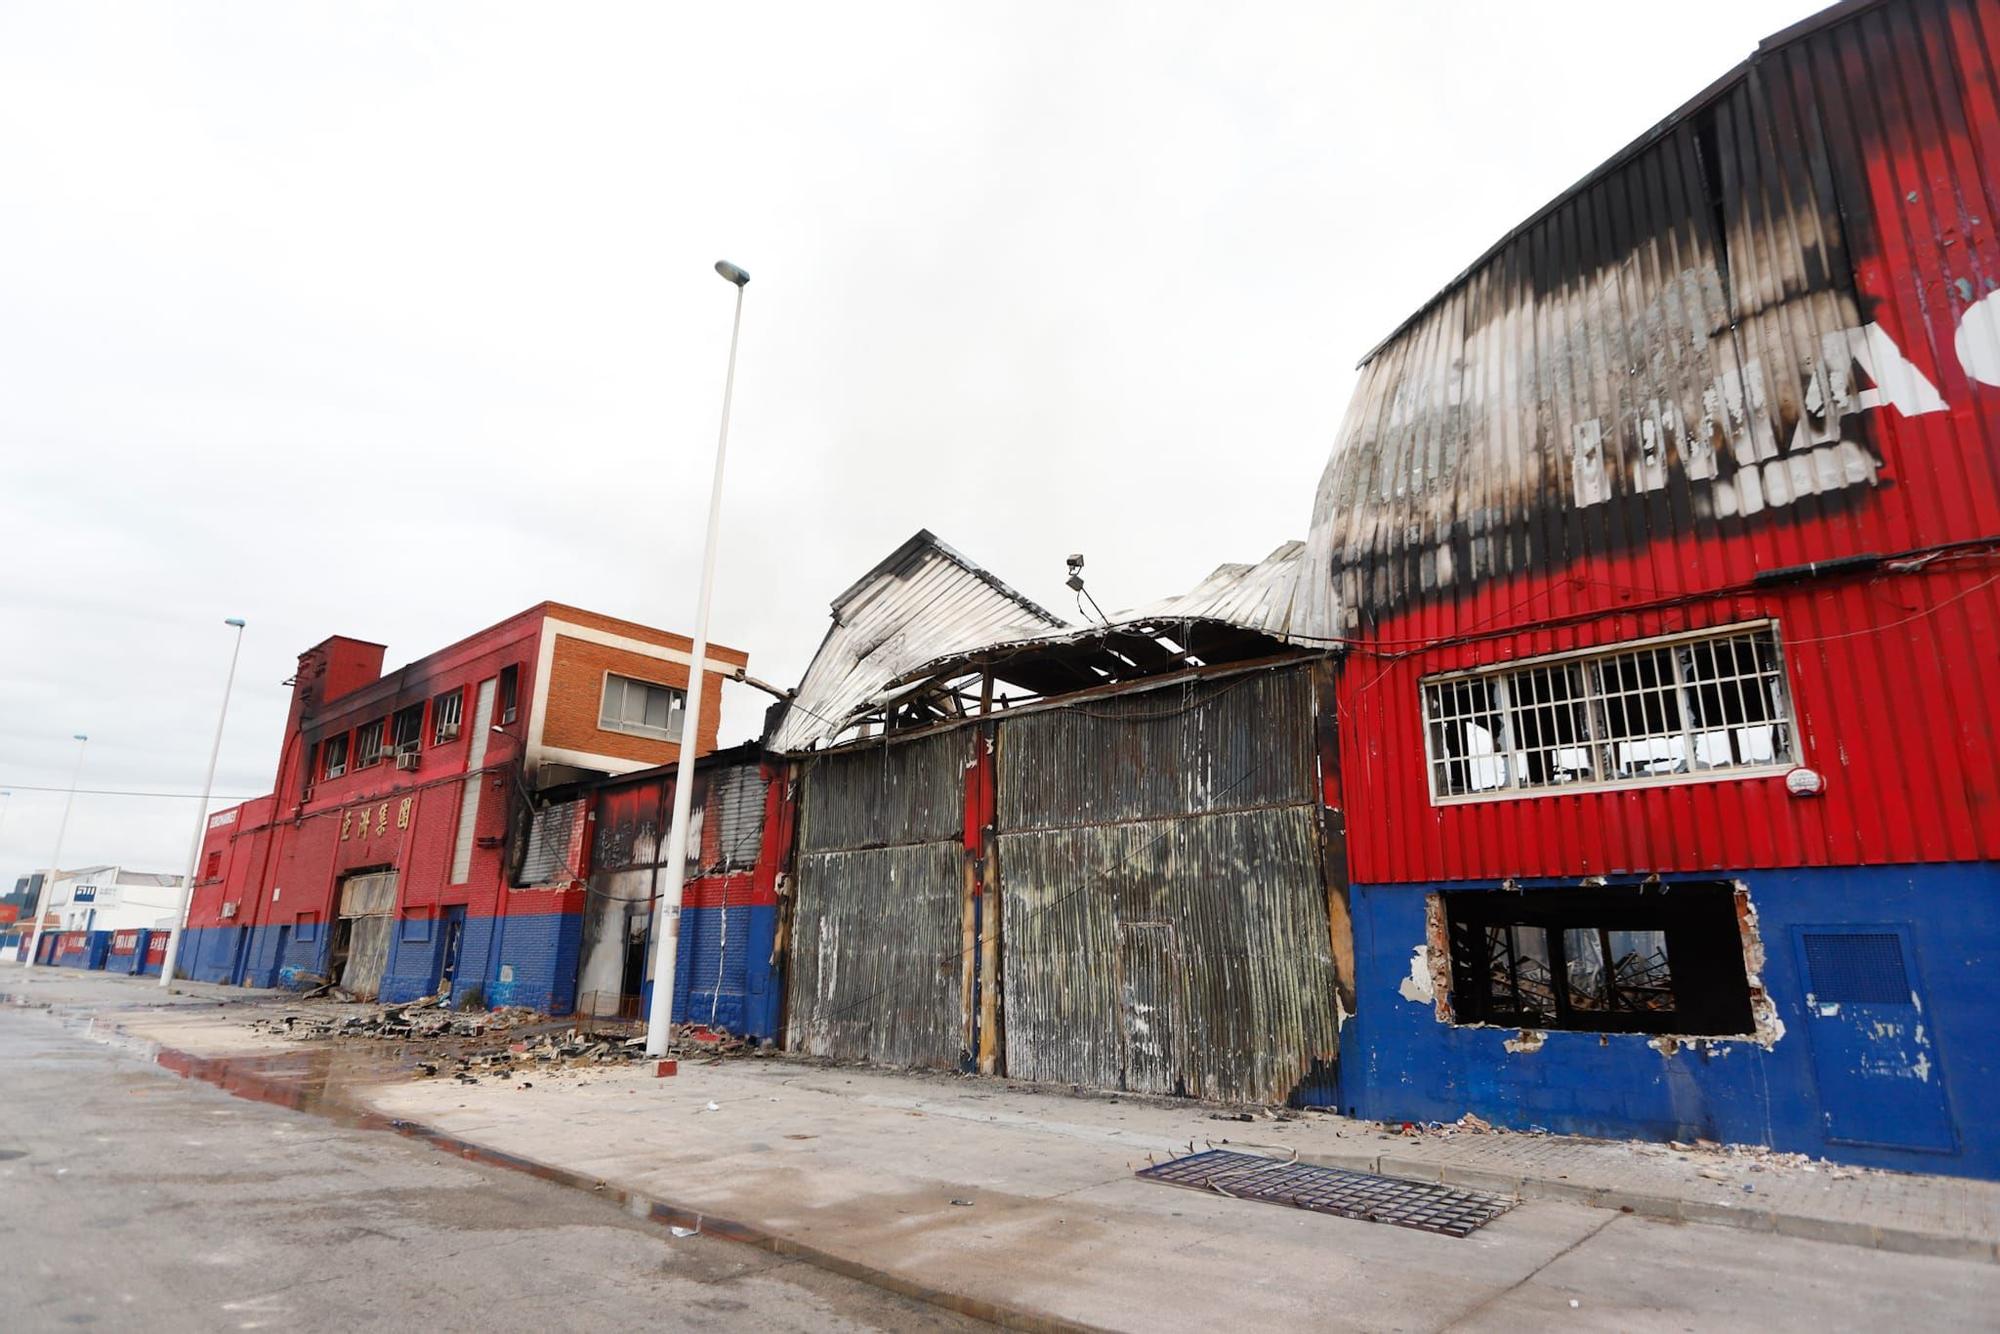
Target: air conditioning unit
447 732
407 759
229 908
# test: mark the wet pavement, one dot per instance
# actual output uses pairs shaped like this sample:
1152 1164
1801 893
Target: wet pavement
976 1196
246 1197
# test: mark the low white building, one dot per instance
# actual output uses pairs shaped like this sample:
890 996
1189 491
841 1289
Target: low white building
111 898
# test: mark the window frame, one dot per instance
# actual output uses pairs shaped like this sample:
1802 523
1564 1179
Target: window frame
507 695
328 746
1592 702
380 728
416 742
671 736
1672 909
438 719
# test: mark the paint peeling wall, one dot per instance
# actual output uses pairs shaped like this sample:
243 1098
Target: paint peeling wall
1165 922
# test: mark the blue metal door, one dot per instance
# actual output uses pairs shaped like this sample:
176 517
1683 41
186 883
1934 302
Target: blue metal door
1876 1065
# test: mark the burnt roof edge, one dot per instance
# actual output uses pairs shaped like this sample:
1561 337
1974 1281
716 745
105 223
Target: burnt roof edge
1777 41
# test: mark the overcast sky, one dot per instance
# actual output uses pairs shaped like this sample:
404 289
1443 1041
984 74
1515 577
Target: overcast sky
389 320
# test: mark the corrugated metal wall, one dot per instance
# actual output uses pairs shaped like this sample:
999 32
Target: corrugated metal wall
1767 334
1165 924
876 927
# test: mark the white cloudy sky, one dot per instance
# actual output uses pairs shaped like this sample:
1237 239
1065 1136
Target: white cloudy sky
391 319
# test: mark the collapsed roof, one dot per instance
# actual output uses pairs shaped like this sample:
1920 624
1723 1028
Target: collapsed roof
927 636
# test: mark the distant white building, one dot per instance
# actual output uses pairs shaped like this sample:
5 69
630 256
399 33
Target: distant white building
111 898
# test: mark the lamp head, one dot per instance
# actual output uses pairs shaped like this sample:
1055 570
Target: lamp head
79 737
731 272
236 621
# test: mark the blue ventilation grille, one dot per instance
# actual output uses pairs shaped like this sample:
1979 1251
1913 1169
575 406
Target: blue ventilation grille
1862 969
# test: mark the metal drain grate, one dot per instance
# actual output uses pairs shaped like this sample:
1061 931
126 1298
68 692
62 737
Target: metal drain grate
1333 1190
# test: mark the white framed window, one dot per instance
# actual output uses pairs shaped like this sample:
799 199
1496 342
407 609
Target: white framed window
641 708
335 751
368 744
445 711
1676 709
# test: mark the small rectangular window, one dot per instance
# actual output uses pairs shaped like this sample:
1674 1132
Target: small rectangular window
212 868
1659 958
445 712
1665 711
368 744
642 708
510 689
335 750
407 729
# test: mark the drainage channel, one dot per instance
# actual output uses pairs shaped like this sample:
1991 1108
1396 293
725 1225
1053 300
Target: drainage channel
306 1082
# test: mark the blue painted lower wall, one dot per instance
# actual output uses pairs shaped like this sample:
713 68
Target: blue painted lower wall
1399 1063
723 976
526 959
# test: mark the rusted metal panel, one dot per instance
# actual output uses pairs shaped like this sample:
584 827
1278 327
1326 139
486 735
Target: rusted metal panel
1180 956
876 945
1192 748
875 948
1763 338
1164 915
889 793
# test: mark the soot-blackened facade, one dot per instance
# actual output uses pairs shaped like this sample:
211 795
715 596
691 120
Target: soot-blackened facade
409 842
1662 543
1101 857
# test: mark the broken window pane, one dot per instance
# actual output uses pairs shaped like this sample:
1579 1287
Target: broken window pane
1518 971
1650 959
1715 700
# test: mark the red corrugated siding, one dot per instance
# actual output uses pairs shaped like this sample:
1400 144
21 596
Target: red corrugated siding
1860 181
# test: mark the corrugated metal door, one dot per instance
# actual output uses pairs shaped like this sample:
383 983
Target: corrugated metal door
876 945
1164 916
367 911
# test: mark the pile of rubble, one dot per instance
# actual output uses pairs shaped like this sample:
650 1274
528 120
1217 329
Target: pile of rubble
418 1020
532 1041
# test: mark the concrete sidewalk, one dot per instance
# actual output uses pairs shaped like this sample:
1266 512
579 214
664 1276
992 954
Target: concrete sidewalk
1021 1205
1924 1215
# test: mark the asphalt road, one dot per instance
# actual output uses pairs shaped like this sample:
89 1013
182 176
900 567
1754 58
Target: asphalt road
133 1199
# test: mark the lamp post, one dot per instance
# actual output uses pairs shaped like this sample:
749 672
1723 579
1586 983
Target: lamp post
201 813
55 858
667 922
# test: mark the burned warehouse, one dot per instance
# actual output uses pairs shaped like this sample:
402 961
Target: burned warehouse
1614 756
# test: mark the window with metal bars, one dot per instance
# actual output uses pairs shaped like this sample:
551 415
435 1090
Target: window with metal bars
1632 959
1667 710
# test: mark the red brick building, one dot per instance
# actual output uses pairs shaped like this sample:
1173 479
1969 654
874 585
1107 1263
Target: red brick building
389 855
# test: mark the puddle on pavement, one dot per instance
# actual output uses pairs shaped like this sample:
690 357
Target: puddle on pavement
313 1081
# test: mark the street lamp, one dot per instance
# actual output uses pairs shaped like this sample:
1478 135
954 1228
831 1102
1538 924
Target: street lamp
201 813
667 925
55 858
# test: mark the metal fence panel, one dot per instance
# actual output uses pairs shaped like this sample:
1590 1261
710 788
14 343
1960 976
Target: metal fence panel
875 955
1185 749
1180 956
885 794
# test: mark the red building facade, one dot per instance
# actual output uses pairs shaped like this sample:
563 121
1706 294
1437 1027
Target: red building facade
389 856
1663 542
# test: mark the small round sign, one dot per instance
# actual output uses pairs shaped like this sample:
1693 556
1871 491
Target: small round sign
1804 783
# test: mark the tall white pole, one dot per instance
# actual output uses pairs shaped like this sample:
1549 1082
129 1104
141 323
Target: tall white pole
55 858
667 919
201 815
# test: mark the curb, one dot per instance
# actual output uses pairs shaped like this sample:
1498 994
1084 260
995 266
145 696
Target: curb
670 1213
1670 1208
